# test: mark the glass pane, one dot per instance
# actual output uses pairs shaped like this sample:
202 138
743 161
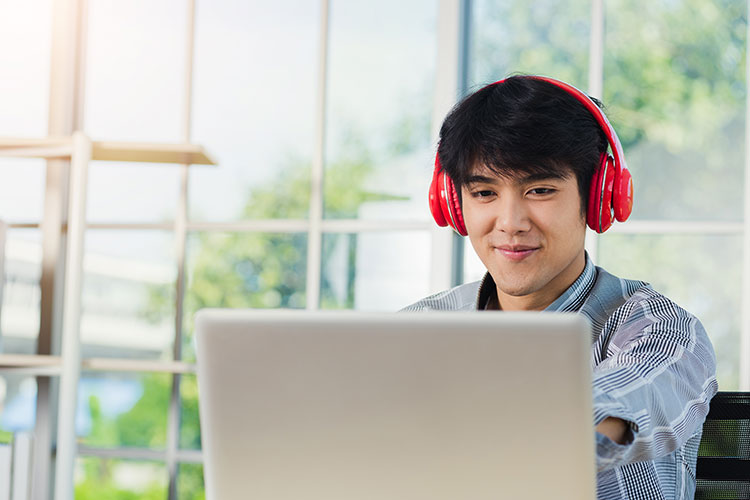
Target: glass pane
116 410
674 83
132 192
380 90
117 479
701 273
135 73
128 296
20 313
21 189
474 270
260 270
17 403
548 37
190 482
190 431
374 271
253 108
25 42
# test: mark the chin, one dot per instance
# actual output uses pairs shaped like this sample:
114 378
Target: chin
517 289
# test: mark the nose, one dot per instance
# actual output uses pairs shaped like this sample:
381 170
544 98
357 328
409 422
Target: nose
512 216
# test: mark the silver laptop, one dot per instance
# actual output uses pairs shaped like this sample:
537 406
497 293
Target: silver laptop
361 406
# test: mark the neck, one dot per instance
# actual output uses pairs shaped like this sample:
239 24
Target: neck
542 298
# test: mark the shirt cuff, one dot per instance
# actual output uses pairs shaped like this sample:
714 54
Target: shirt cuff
608 453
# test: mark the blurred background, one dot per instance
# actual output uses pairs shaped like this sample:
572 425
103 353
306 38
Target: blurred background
322 118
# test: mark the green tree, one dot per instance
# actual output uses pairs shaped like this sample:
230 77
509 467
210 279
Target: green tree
99 482
674 87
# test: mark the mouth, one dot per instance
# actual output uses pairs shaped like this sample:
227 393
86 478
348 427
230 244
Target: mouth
516 253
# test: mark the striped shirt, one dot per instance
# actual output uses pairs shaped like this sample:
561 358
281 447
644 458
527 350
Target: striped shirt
653 366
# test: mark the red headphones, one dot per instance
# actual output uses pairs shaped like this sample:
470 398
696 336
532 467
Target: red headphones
610 195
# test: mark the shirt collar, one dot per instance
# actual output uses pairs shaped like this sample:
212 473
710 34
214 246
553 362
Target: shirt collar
570 301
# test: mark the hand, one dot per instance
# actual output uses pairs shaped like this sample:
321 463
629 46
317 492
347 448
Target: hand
615 429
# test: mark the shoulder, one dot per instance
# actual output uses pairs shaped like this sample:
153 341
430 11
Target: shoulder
607 295
651 320
459 298
648 310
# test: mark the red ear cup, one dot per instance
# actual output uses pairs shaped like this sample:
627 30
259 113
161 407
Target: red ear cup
435 210
622 197
599 211
444 197
595 195
445 204
607 214
454 203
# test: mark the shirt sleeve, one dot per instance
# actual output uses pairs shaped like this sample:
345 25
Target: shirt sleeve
658 375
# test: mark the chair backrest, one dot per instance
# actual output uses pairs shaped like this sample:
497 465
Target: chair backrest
723 469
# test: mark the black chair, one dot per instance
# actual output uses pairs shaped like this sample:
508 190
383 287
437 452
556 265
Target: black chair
723 470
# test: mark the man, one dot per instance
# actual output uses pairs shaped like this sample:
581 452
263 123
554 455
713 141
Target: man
522 168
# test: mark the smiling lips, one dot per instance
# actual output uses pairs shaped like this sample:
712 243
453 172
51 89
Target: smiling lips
516 252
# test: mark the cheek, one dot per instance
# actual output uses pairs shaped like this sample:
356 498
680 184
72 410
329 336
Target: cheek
475 219
562 223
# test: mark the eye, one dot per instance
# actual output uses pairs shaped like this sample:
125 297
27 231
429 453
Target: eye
542 191
482 193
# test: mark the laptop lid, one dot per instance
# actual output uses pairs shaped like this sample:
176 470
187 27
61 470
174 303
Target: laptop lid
344 405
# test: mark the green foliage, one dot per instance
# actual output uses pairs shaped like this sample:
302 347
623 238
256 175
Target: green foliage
100 482
674 87
144 425
159 304
546 37
190 482
671 79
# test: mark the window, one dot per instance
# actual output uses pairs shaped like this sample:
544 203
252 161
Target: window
321 116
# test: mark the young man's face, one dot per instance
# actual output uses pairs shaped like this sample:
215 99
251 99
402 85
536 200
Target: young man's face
529 233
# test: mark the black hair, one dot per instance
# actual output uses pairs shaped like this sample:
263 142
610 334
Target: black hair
522 126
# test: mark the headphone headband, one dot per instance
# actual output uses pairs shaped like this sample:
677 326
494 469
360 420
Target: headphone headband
599 116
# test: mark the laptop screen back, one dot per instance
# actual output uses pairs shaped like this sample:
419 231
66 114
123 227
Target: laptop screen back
343 405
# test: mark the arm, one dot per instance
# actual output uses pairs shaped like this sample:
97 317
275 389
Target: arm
616 429
658 377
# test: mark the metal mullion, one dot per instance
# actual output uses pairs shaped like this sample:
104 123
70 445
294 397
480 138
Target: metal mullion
28 225
315 234
463 66
183 456
595 88
250 226
363 225
745 297
190 456
180 228
123 453
65 103
70 348
132 226
300 225
137 365
676 227
449 23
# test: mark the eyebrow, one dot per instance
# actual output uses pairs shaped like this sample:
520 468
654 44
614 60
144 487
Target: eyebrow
483 179
480 179
544 176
